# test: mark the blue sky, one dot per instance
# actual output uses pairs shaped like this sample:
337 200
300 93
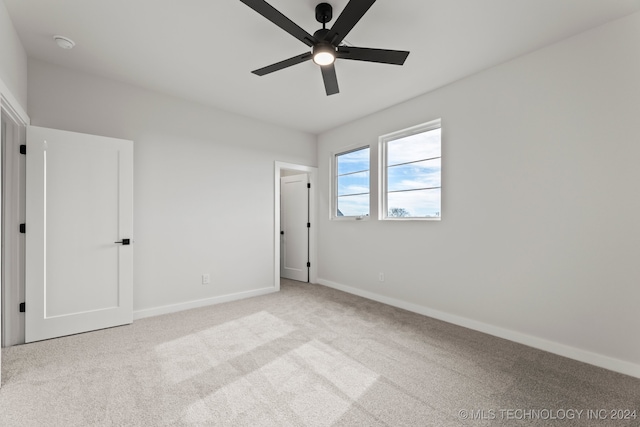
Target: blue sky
356 184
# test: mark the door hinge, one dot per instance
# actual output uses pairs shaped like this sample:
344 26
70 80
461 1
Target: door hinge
308 185
23 307
23 228
308 225
308 264
23 149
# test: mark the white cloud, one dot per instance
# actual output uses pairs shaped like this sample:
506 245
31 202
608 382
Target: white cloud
354 205
415 147
420 203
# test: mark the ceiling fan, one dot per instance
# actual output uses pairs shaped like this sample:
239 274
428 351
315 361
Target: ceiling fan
325 43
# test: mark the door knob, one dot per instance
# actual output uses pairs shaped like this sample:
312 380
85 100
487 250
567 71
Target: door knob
124 241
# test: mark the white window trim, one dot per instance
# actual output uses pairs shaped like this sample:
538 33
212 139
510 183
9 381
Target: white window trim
382 169
333 208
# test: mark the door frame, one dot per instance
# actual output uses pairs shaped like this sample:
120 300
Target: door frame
13 213
313 257
16 114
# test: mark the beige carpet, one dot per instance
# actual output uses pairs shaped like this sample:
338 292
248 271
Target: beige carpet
306 356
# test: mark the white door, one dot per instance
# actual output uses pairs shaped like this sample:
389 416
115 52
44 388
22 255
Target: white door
79 213
294 211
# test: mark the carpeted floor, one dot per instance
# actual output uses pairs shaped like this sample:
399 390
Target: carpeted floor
306 356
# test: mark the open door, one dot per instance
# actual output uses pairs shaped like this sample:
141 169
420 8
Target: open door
294 221
79 230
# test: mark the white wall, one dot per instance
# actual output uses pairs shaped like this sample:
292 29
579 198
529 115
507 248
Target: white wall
540 240
204 182
13 59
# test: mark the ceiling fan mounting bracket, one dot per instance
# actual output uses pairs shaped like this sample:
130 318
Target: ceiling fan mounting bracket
324 13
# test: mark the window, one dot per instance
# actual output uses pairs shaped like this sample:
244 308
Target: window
410 170
351 184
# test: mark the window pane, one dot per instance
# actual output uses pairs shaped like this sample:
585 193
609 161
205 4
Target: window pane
414 176
420 203
425 145
352 181
353 205
354 161
356 183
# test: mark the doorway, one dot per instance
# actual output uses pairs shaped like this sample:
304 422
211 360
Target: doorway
294 226
308 205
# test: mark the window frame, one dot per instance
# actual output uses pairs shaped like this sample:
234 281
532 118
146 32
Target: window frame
383 213
333 214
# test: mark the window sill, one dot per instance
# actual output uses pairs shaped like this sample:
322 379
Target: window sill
413 219
351 218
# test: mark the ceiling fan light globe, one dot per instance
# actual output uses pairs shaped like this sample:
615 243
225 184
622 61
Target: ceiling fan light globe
324 58
323 54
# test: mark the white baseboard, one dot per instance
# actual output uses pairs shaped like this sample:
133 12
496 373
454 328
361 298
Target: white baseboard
585 356
173 308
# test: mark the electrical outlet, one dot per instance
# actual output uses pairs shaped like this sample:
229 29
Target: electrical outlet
381 277
206 279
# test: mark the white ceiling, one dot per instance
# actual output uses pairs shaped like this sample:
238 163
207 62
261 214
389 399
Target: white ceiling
205 50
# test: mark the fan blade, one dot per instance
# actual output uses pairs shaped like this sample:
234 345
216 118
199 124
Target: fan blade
269 12
385 56
283 64
330 79
349 17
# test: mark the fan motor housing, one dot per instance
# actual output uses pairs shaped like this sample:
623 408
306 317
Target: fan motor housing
324 13
320 33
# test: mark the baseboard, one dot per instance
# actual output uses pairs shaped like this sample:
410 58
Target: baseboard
585 356
173 308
